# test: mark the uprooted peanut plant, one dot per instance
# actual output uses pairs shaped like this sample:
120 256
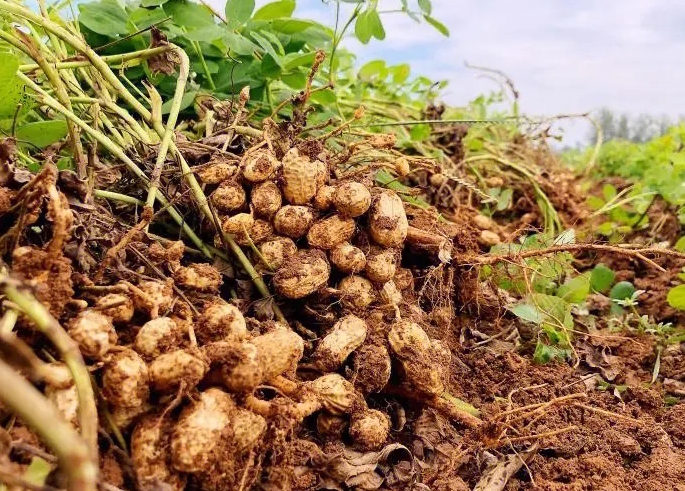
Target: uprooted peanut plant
219 292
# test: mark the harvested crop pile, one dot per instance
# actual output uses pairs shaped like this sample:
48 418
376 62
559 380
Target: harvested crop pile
207 300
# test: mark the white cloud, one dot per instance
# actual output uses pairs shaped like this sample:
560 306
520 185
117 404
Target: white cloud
565 57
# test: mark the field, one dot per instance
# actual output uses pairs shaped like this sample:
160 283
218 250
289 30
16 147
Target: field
232 258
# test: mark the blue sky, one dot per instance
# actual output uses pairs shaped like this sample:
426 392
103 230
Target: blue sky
564 56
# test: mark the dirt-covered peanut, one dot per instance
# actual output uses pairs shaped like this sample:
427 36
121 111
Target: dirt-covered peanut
346 336
201 277
489 238
117 306
246 365
124 417
293 221
220 321
300 182
56 374
218 172
483 222
150 456
369 429
304 273
94 333
125 380
404 279
381 265
266 199
389 294
348 258
260 166
248 429
158 336
228 197
402 166
388 224
200 429
330 426
352 199
277 250
323 199
169 370
330 232
238 223
335 394
157 297
415 351
356 292
260 231
372 366
65 401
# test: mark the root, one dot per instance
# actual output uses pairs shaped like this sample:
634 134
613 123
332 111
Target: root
638 253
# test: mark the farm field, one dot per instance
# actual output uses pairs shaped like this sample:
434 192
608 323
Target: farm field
234 258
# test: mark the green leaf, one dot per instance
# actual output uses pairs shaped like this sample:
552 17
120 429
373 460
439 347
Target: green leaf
425 6
441 28
676 297
566 237
606 229
205 34
376 25
601 278
545 353
575 290
295 60
268 47
400 73
504 199
38 471
274 10
43 133
152 3
239 44
362 28
239 11
186 101
188 14
622 290
105 17
608 191
420 132
527 312
594 202
11 88
680 245
373 69
143 18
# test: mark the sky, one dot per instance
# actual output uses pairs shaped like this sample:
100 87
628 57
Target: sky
563 56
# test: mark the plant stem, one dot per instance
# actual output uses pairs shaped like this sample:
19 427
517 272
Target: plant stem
8 321
184 69
71 450
142 54
101 193
119 153
69 351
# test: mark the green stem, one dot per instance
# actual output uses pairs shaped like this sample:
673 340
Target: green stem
102 194
69 448
8 322
60 92
184 69
118 153
69 351
205 68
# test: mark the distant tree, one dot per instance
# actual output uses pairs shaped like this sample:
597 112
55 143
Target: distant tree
639 129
